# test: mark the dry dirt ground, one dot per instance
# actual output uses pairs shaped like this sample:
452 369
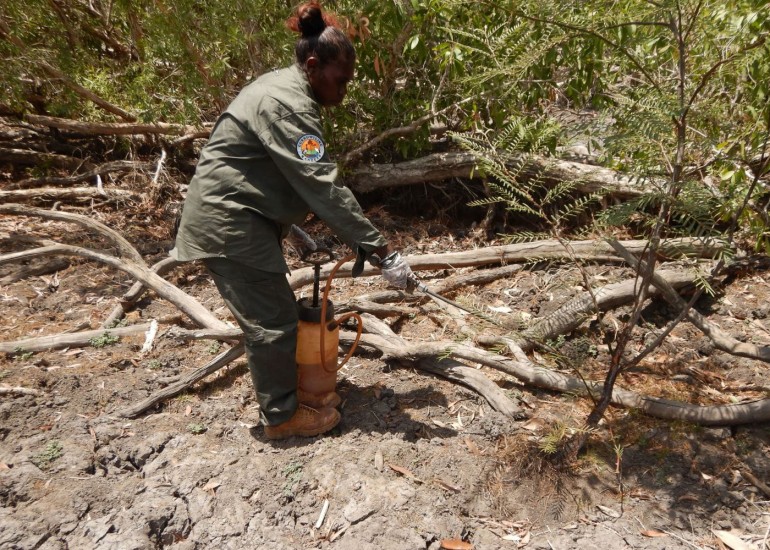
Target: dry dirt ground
416 460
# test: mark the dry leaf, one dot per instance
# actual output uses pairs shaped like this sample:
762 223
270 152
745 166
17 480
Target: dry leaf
456 544
534 424
403 471
448 486
653 533
188 410
4 466
212 485
472 447
731 540
379 461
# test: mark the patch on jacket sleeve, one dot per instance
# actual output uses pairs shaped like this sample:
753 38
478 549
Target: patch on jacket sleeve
310 148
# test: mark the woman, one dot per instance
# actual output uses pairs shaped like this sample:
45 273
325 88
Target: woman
264 168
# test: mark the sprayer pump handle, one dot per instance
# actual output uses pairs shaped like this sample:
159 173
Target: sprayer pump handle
318 256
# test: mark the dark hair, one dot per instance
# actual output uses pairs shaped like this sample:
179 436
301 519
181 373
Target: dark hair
321 35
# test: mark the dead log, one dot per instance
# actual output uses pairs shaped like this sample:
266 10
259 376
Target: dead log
446 166
26 157
83 338
69 340
545 250
572 314
134 264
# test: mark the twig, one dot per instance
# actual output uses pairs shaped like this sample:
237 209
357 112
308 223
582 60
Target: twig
175 389
322 515
400 131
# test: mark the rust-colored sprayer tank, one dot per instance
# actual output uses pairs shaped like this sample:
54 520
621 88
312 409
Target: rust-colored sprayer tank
318 332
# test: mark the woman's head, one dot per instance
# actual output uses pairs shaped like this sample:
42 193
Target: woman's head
324 51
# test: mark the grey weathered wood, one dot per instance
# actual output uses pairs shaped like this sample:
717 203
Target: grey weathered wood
446 166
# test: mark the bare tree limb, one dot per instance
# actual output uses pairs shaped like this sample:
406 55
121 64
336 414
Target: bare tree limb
186 303
72 194
543 250
69 340
397 132
720 338
572 314
183 384
137 290
113 128
522 369
125 248
24 272
23 156
116 166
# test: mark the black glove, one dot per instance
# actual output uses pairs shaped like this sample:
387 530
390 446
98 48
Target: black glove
395 270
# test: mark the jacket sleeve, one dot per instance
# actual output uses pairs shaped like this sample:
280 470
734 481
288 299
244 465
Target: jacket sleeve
294 142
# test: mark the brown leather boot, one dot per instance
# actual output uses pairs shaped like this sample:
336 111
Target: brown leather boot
319 401
306 422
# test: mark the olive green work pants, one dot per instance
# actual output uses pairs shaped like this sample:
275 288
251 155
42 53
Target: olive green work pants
264 306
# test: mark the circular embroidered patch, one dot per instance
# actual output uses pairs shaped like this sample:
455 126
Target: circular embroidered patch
310 148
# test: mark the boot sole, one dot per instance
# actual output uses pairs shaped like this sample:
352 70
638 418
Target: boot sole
306 433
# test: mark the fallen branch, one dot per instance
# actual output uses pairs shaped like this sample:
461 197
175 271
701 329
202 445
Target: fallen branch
545 250
184 383
27 271
69 340
112 128
117 166
720 338
397 132
572 314
451 370
186 303
23 156
125 248
524 370
83 338
137 290
74 194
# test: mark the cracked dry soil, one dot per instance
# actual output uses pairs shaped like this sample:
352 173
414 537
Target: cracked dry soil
416 460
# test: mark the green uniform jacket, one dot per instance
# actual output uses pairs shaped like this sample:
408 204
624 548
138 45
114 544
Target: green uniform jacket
264 168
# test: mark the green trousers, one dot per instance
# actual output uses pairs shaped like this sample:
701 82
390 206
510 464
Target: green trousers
264 306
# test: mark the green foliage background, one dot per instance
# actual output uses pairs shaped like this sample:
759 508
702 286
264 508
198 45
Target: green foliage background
506 66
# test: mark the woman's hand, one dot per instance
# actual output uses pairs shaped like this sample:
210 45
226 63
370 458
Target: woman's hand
395 270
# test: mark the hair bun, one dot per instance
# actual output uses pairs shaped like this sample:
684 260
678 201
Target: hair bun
310 20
